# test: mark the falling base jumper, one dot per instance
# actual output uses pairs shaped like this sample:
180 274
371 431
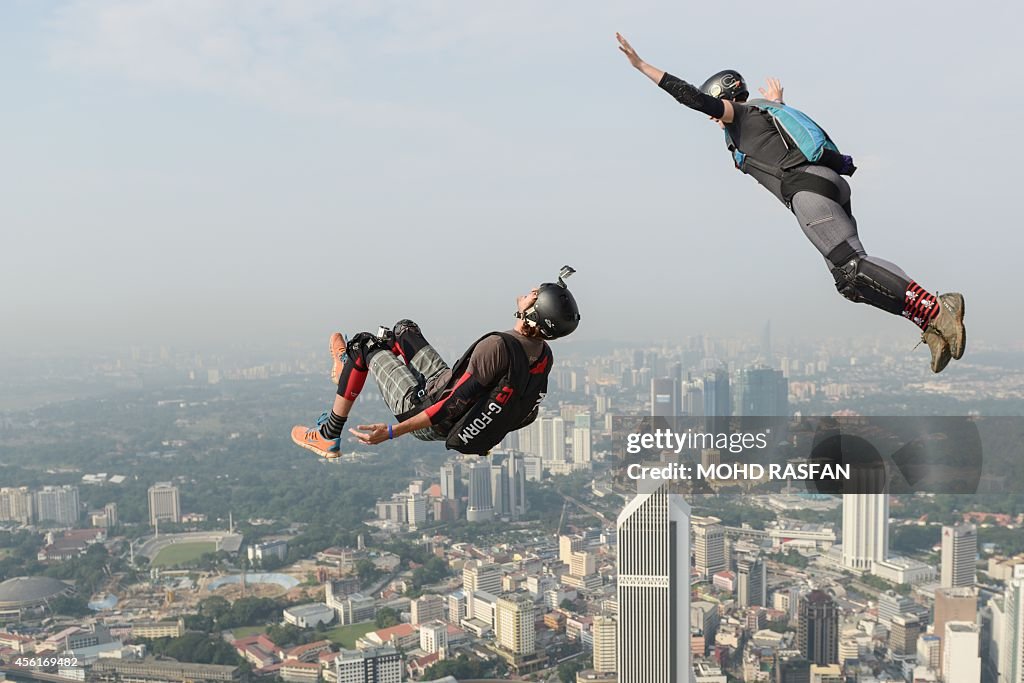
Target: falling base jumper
794 158
496 387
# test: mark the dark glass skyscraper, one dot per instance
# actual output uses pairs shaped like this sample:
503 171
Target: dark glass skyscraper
817 633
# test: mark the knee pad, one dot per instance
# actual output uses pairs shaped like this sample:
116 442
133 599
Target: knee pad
859 279
408 339
361 348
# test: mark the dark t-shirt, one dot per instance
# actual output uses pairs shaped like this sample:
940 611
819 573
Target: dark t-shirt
754 133
487 365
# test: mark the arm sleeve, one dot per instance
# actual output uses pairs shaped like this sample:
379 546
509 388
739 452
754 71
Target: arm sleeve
464 393
689 96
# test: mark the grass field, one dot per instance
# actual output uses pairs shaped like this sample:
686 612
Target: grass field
346 636
182 553
246 631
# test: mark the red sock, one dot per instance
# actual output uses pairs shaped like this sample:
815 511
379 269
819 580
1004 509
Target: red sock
919 306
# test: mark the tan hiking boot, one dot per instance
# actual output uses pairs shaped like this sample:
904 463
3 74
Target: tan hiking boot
939 347
950 322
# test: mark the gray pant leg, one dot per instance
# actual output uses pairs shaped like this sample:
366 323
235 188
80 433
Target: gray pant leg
428 362
829 225
825 223
400 388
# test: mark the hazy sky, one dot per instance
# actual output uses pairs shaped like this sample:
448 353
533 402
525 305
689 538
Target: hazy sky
194 170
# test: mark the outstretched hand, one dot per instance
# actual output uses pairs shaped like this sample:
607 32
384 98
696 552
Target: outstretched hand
370 435
773 92
628 50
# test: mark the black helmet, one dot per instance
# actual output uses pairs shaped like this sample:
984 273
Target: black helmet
555 313
726 85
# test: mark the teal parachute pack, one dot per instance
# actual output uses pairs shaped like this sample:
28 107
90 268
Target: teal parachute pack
807 142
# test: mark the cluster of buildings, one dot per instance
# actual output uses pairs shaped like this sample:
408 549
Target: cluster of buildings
60 506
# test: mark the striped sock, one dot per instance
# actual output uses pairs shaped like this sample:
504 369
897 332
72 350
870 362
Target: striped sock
919 306
333 427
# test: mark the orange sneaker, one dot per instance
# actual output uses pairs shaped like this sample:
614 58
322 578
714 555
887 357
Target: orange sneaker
337 346
312 440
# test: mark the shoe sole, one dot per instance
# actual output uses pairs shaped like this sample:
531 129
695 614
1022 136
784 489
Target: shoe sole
963 330
323 454
335 375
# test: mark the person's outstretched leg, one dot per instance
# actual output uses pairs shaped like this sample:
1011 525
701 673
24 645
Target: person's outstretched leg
830 226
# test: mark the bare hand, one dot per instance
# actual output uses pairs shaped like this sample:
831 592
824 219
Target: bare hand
370 435
628 50
773 92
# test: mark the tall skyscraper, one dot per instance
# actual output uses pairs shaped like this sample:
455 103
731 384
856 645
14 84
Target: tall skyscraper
516 465
959 551
708 547
604 629
691 398
16 505
550 434
1008 629
450 482
514 624
751 581
653 589
953 604
499 489
962 661
761 392
664 397
581 440
717 402
481 503
865 529
164 503
818 628
58 504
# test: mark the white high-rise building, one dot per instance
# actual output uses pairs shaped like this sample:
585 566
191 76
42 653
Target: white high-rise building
477 576
450 481
515 466
427 608
514 624
865 529
164 503
481 503
1008 629
377 665
708 546
434 637
416 509
653 590
604 644
581 440
58 504
962 661
499 490
959 551
16 505
552 439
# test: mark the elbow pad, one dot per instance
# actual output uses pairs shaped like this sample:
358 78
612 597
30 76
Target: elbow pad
691 97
